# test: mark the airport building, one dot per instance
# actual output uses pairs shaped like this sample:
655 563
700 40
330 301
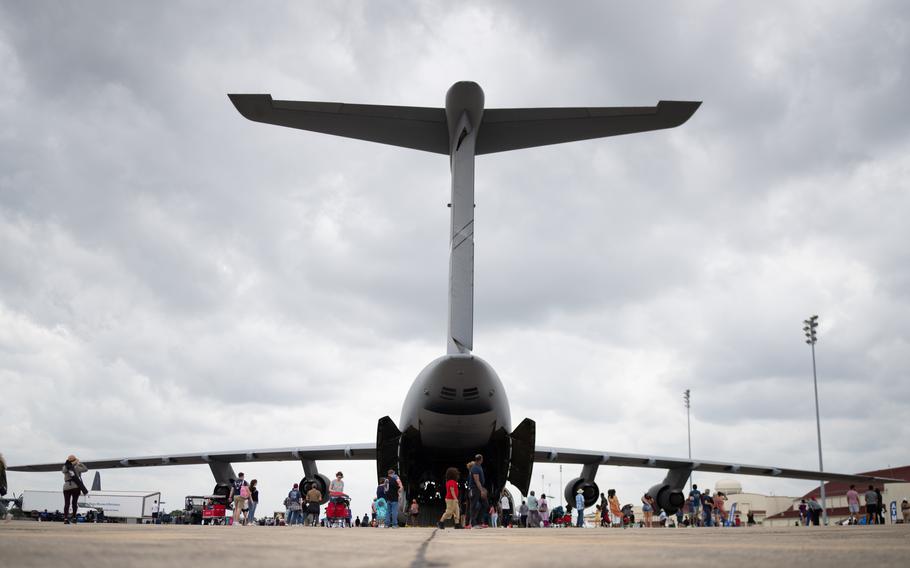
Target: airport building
761 506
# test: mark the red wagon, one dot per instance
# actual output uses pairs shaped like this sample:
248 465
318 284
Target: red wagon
214 513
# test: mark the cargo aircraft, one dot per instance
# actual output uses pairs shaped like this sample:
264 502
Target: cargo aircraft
457 405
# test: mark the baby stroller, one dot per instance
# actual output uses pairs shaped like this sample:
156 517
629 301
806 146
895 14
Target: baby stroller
336 512
628 517
382 511
557 516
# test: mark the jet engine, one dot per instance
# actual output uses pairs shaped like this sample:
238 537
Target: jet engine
322 484
666 498
589 488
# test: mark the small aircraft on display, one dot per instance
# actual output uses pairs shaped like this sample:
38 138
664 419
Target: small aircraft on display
457 406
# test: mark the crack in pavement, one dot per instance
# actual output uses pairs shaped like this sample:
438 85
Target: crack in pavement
420 561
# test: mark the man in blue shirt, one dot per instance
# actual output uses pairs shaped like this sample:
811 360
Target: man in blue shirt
580 507
694 504
707 503
479 493
391 497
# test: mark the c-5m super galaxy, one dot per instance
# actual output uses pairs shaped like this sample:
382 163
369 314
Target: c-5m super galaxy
457 405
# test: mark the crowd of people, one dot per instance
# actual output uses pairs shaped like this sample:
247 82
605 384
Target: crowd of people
468 505
875 508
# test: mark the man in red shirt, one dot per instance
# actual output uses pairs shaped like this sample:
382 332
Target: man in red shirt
451 498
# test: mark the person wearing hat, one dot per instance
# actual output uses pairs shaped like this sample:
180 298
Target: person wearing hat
72 485
580 507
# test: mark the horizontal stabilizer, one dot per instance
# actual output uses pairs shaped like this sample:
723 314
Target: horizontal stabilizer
418 128
515 128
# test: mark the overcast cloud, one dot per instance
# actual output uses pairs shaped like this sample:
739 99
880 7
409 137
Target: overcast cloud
175 278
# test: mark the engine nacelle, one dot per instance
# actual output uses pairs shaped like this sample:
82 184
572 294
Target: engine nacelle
666 498
589 488
322 484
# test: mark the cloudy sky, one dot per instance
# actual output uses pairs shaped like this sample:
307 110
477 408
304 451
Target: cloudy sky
175 278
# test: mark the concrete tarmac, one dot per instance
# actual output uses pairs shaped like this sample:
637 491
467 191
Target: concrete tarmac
28 543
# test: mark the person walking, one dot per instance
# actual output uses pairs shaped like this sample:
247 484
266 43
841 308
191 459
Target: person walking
853 504
336 486
313 499
615 508
414 512
647 509
803 513
905 511
720 513
380 505
240 491
494 516
580 507
478 493
543 510
294 501
72 487
451 499
253 502
523 511
881 506
707 504
506 507
533 512
871 506
694 504
391 497
815 511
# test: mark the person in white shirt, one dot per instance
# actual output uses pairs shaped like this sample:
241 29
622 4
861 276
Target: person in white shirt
506 518
533 514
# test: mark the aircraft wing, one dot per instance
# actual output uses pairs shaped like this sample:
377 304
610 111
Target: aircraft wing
337 452
544 454
418 128
515 128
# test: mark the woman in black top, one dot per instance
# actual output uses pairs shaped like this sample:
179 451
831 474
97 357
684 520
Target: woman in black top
254 500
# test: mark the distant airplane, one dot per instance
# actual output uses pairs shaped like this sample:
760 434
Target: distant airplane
457 406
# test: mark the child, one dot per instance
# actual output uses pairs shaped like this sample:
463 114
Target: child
451 498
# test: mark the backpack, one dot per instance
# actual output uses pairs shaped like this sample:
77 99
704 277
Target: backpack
245 491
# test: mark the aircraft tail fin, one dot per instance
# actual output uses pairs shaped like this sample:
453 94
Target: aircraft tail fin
505 129
418 128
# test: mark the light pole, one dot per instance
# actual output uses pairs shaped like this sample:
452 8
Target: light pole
810 325
686 398
560 477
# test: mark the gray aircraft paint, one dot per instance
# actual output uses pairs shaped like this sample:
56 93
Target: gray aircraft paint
464 115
